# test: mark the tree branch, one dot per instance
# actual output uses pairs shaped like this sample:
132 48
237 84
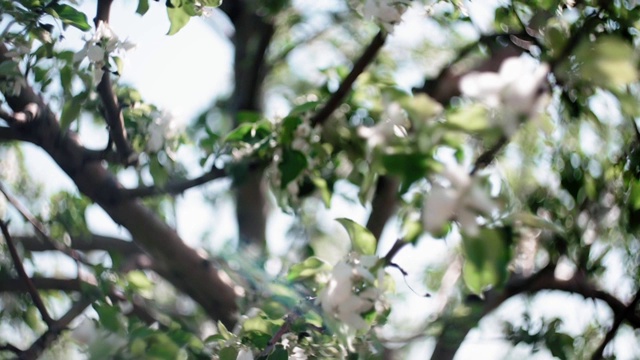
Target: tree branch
112 112
630 309
83 243
173 188
54 331
40 229
9 134
383 205
183 266
33 292
338 97
487 157
540 281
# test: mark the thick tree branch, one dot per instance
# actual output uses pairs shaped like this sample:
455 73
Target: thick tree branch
338 97
619 318
33 292
383 205
251 40
541 281
184 267
9 134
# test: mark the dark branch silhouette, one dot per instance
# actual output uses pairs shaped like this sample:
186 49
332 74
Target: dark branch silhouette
361 64
33 292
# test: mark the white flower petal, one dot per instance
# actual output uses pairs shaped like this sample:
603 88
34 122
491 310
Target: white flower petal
98 73
244 354
439 207
95 53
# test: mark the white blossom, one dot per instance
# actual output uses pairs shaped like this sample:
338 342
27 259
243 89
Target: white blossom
386 12
244 354
393 124
513 92
103 42
163 128
464 200
342 301
297 353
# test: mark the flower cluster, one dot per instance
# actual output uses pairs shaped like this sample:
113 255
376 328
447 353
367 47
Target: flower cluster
514 93
162 129
393 124
464 200
387 13
352 290
97 49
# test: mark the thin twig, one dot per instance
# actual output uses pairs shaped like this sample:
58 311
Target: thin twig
597 355
285 328
33 292
487 157
397 246
172 188
40 229
338 97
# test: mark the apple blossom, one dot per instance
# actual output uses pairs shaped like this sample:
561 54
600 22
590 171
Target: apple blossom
463 201
103 42
163 128
351 291
386 12
244 354
393 124
513 92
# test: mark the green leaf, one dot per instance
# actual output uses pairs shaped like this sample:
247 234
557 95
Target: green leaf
634 197
608 62
362 240
325 192
9 69
143 7
70 16
158 172
222 330
248 117
293 164
109 317
178 17
303 108
307 268
228 353
421 107
487 259
162 347
469 119
534 221
139 280
279 354
71 110
261 325
411 167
